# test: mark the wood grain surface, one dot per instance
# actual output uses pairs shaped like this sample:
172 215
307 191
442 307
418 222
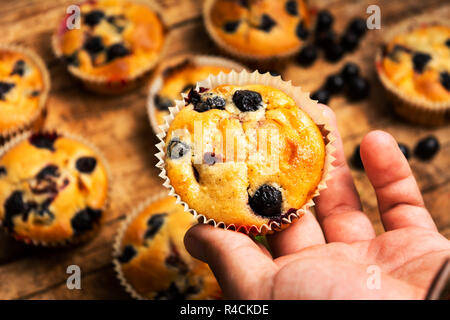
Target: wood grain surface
120 128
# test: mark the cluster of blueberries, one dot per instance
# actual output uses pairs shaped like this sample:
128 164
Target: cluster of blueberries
425 149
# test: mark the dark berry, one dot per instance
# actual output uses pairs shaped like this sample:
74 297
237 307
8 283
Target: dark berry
175 261
177 149
231 26
44 140
14 206
356 158
35 93
267 23
291 7
358 88
247 100
128 253
324 20
420 60
193 97
209 103
266 201
210 158
349 41
404 149
4 88
445 80
93 18
48 171
244 3
94 45
427 148
84 220
334 83
163 103
350 70
307 55
154 224
117 50
357 26
322 95
301 31
334 52
325 39
86 164
19 68
72 59
447 43
172 293
3 171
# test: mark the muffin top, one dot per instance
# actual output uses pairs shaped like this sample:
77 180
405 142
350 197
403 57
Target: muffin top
52 188
262 28
23 86
117 39
417 62
154 261
244 155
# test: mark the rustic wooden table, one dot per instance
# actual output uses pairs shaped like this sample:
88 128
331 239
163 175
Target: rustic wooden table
119 126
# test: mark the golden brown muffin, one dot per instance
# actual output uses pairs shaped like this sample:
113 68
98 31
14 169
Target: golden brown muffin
258 28
244 155
118 41
53 189
24 85
151 257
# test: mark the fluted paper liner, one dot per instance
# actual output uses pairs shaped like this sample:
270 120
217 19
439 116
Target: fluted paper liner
301 98
157 80
89 234
418 110
41 110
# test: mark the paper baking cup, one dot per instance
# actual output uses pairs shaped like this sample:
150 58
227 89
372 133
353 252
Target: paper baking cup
87 235
261 61
417 110
157 80
102 85
36 120
301 98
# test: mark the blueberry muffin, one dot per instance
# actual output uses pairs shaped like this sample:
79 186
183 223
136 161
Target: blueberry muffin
151 259
53 188
414 65
24 86
257 29
244 155
118 41
178 76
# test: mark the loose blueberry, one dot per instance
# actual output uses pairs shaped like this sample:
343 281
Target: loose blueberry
322 95
13 206
301 31
247 100
210 158
325 39
307 55
427 148
420 60
209 103
154 224
84 220
334 83
231 26
4 88
334 52
358 88
117 50
3 171
324 20
358 26
94 45
86 164
163 103
267 23
177 149
350 70
48 171
93 18
44 140
349 41
128 253
266 201
19 68
291 7
404 149
356 158
445 80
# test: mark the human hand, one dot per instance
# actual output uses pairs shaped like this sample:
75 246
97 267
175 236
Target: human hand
328 258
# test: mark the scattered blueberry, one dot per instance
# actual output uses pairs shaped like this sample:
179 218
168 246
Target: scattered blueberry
420 60
291 7
267 23
177 149
358 26
358 88
19 68
214 102
404 149
334 83
307 55
266 201
350 70
86 164
445 80
324 20
301 31
154 224
128 253
325 39
4 88
193 97
48 171
94 17
231 26
356 158
349 41
3 171
94 45
210 158
84 220
13 206
44 140
247 100
322 95
427 148
117 50
163 103
334 52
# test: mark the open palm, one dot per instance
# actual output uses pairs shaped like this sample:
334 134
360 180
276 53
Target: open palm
338 255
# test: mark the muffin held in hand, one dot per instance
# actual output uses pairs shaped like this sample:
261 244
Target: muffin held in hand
24 86
244 155
53 188
151 260
118 42
414 66
257 29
